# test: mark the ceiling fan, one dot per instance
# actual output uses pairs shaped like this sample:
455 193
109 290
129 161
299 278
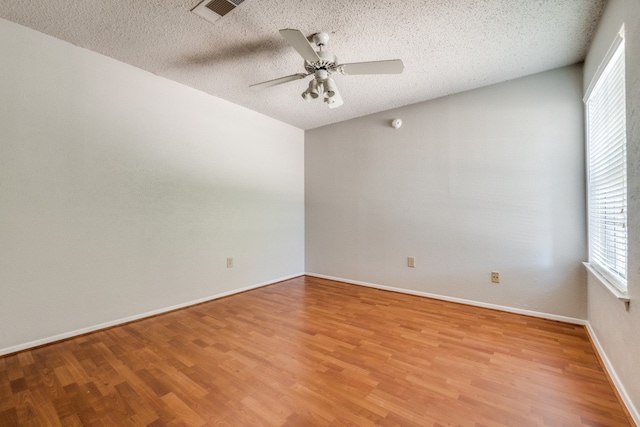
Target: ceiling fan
321 64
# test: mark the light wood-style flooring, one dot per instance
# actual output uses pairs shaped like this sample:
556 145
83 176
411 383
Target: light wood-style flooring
313 352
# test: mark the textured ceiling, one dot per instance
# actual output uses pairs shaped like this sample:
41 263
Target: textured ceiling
447 46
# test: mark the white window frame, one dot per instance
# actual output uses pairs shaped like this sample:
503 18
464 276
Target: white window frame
608 236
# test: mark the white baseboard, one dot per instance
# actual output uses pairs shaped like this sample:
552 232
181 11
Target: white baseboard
549 316
635 414
614 376
77 332
608 366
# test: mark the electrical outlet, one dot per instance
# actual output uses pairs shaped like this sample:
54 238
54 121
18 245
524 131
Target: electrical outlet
411 261
229 262
495 277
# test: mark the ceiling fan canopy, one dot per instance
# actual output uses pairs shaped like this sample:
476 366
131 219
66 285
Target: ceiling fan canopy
321 64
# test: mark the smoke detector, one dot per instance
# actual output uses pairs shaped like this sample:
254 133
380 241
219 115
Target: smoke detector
212 10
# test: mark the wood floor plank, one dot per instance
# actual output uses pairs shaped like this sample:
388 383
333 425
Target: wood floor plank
314 352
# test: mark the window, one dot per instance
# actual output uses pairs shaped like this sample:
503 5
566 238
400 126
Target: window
607 168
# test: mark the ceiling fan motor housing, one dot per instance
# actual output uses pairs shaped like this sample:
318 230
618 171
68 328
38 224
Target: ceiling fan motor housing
327 62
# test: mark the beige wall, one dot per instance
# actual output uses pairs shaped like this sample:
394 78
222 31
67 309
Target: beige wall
122 193
490 179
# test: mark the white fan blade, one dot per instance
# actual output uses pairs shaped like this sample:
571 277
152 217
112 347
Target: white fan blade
299 42
393 66
335 101
279 81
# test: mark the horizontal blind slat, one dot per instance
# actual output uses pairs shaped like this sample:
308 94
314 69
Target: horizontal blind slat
606 162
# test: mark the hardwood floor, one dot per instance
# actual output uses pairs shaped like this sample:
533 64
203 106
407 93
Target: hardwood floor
312 352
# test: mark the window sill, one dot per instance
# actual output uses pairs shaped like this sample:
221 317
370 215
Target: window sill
622 296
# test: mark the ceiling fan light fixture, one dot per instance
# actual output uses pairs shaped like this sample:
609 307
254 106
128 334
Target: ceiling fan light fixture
330 87
335 101
314 89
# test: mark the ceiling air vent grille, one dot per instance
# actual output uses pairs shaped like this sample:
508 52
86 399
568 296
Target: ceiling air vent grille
212 10
221 7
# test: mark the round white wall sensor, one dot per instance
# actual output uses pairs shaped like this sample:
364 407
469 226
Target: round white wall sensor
396 123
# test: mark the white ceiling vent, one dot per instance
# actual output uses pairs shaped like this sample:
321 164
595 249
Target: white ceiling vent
212 10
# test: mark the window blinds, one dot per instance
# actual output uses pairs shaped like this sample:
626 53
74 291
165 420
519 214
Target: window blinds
607 171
